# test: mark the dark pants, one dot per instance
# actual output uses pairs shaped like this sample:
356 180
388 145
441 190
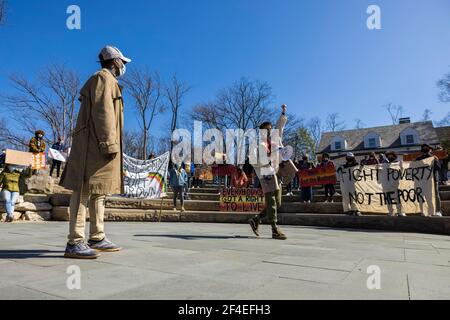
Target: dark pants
177 192
329 191
306 193
57 164
289 187
273 203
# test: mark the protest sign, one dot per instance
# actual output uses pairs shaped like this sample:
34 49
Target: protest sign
317 176
38 161
145 178
222 170
241 200
440 154
56 155
403 187
19 158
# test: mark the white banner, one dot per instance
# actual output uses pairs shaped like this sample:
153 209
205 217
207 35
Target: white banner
145 179
406 187
56 155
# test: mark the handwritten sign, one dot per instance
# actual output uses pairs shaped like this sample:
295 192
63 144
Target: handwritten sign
241 200
403 187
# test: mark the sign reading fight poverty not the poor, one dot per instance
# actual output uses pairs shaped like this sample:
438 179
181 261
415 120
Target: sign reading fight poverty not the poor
241 200
406 187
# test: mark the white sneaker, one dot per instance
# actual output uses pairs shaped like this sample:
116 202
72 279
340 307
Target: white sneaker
326 201
402 214
437 214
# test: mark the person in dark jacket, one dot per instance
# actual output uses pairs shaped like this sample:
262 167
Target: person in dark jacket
306 192
59 146
350 162
372 160
426 154
329 188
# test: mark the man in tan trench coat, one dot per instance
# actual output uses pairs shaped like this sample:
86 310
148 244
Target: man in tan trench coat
94 167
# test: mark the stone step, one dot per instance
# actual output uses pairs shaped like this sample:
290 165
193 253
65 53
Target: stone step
400 224
289 204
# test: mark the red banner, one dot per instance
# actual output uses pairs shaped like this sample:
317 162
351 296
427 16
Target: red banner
317 176
222 170
241 200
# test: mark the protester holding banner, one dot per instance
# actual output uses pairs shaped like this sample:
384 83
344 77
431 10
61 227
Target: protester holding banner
177 181
392 157
306 191
94 168
269 182
58 146
329 188
427 154
443 179
239 179
37 143
372 160
350 162
248 170
9 183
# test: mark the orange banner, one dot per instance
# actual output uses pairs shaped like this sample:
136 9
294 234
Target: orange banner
317 176
441 154
38 161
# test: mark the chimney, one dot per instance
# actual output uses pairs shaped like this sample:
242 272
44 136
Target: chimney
404 120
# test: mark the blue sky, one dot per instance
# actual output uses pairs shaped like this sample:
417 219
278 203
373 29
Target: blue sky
318 55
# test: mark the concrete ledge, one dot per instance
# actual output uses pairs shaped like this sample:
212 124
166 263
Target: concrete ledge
401 224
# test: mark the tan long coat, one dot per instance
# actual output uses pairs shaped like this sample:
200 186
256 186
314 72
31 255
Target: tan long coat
97 136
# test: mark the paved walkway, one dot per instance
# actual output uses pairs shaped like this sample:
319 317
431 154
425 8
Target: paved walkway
224 261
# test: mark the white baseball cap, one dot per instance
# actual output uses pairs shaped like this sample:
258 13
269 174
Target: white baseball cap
110 52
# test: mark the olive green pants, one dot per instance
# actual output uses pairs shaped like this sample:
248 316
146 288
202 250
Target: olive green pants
273 203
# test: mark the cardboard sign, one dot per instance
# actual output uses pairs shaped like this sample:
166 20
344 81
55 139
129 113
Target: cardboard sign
19 158
403 187
317 176
440 154
241 200
56 155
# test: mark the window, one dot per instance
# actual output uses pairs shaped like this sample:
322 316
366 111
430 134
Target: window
409 139
372 143
338 145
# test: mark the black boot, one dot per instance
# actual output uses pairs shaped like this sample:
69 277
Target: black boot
254 224
277 234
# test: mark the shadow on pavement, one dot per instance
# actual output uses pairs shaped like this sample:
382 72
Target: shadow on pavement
190 237
27 254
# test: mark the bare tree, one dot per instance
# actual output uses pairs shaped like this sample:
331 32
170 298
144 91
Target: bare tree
359 124
444 86
145 89
9 139
174 94
243 105
49 104
445 122
426 115
395 111
315 130
333 123
2 12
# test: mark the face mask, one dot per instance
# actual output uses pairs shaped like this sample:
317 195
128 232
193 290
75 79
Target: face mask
122 70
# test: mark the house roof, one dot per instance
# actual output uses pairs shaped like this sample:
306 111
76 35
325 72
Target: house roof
443 133
390 136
